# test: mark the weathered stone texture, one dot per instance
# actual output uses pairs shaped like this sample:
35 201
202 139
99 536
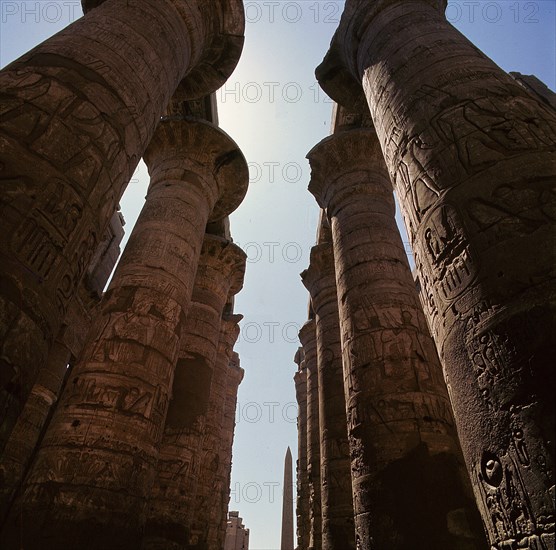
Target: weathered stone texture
31 423
78 111
338 532
106 255
471 155
406 467
235 376
220 445
26 433
307 337
96 465
302 504
185 495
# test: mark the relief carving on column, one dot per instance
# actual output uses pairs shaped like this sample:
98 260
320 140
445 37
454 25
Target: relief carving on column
471 155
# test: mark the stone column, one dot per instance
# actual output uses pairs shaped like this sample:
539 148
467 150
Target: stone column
338 532
307 337
78 111
235 376
302 510
27 431
471 154
31 423
219 487
95 469
196 408
408 477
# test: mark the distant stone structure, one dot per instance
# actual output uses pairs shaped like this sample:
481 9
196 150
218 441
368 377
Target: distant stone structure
237 536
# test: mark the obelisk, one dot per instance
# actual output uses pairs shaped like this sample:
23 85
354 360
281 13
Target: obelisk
287 505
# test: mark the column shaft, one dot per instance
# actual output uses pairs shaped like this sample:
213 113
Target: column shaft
31 424
302 510
173 509
235 376
27 431
338 532
218 484
307 336
189 447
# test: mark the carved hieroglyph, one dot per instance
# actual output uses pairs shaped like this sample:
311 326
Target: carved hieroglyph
95 468
222 27
471 155
26 433
338 532
235 376
227 365
189 454
308 339
30 425
402 438
302 504
77 113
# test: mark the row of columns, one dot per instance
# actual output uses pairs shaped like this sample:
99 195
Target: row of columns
78 112
470 154
150 349
336 506
385 417
128 459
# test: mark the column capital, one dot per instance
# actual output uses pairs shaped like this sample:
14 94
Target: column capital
221 267
235 372
338 74
217 30
181 140
308 339
300 379
224 22
341 154
298 357
229 332
320 276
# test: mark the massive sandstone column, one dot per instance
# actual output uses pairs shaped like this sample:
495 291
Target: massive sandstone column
471 154
31 423
42 401
235 376
78 111
189 451
338 532
29 427
409 482
302 505
95 469
307 337
219 489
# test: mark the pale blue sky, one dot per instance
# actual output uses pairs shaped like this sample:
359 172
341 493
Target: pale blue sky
272 107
